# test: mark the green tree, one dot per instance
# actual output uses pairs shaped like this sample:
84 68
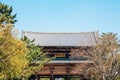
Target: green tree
35 57
6 15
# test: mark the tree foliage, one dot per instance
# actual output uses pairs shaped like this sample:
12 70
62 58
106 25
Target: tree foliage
16 56
106 57
36 58
6 15
13 52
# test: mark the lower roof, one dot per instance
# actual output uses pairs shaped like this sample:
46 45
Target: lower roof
71 61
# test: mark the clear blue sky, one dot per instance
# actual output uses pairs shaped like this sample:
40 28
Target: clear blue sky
67 15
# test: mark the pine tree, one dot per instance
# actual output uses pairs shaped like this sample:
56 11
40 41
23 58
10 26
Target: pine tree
35 57
6 15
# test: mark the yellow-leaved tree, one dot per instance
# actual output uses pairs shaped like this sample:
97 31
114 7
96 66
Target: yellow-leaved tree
13 51
17 56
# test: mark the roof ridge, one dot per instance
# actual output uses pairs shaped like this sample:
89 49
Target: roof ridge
58 32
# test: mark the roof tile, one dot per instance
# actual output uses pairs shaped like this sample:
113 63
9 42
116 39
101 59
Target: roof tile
62 39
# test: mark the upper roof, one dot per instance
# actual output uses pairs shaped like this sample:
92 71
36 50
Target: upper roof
62 39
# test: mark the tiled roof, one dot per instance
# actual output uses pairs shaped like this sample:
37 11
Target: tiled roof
71 61
62 39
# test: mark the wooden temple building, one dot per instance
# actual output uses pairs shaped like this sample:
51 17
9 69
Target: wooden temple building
68 49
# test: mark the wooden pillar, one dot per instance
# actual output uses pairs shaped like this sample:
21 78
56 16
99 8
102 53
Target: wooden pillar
39 77
51 72
67 70
67 77
36 77
52 77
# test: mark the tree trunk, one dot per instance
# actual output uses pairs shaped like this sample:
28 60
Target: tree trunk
5 77
104 77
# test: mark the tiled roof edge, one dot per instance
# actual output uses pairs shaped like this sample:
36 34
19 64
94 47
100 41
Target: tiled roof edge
96 35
